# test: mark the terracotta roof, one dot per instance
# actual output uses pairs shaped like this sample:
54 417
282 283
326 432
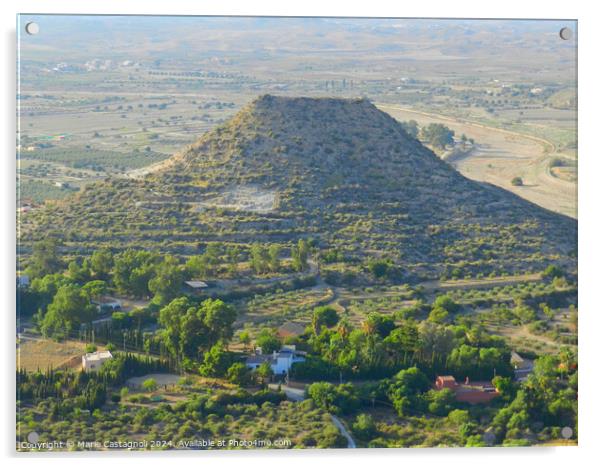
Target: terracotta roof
447 378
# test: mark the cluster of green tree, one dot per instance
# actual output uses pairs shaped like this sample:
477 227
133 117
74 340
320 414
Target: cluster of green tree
141 273
337 399
383 268
381 347
62 299
547 400
300 255
193 332
331 256
265 258
228 414
69 309
437 134
443 307
84 390
538 408
409 392
206 265
268 341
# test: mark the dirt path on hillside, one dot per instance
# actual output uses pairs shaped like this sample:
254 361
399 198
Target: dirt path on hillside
501 155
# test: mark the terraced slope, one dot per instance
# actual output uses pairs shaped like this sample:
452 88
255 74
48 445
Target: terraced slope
339 171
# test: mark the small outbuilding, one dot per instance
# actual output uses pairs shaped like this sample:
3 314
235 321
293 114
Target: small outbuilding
92 362
467 392
196 285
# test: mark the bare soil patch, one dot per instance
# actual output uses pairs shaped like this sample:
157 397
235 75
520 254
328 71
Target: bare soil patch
163 380
43 354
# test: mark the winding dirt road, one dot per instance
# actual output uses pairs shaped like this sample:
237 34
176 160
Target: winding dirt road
501 155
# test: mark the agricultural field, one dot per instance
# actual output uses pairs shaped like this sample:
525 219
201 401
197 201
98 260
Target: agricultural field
44 354
547 168
274 309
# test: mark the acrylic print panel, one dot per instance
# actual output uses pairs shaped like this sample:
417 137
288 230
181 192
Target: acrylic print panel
246 232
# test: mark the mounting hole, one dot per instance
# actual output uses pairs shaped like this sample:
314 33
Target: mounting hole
32 28
566 432
565 33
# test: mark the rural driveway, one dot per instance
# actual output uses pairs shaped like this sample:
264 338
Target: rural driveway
343 430
293 394
297 394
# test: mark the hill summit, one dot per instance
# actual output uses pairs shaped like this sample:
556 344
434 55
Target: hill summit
338 171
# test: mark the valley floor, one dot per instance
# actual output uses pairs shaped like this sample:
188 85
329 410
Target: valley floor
500 155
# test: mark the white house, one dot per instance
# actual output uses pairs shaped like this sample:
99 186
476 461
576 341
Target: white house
280 361
92 362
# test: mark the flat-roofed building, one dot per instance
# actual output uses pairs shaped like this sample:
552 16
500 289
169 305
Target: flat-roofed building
92 362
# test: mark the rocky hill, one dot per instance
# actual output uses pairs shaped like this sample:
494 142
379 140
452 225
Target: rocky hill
339 171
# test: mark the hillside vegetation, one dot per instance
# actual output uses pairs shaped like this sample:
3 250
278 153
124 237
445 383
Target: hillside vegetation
339 172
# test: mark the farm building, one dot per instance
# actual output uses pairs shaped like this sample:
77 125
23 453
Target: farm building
280 361
290 330
92 362
468 392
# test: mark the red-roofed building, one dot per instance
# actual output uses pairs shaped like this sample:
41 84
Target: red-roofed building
467 392
446 381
